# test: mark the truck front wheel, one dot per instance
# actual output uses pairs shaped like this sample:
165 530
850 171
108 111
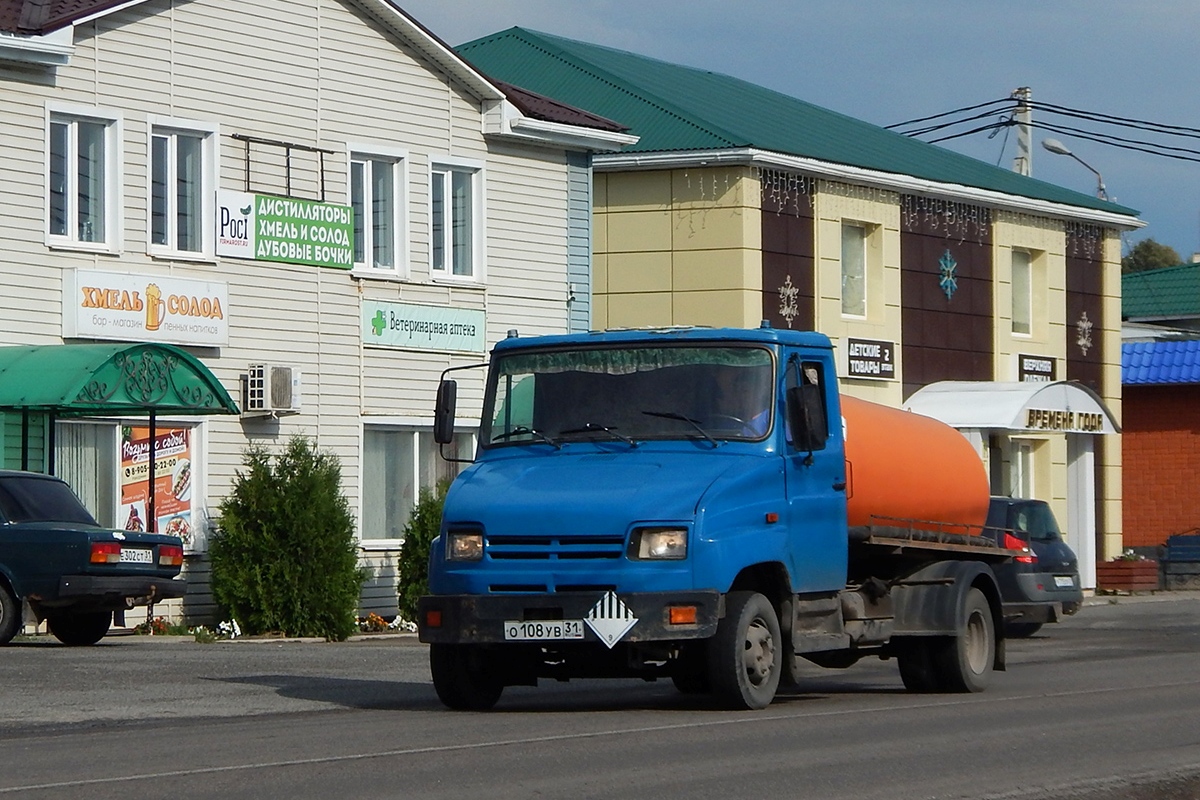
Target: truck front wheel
463 677
745 658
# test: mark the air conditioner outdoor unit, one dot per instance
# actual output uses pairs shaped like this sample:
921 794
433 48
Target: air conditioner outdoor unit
272 389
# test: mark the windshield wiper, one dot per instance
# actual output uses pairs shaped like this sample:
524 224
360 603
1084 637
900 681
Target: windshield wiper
521 430
682 418
592 427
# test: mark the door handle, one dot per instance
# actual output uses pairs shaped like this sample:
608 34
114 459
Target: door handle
839 486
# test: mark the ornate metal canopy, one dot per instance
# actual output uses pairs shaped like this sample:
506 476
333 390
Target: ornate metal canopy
109 379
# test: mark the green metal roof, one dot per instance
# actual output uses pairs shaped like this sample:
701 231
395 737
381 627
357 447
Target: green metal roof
677 108
90 379
1168 293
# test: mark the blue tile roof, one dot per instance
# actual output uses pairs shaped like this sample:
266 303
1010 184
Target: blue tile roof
1157 363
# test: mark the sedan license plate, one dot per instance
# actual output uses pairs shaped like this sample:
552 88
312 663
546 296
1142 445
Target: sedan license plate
136 555
1064 582
543 630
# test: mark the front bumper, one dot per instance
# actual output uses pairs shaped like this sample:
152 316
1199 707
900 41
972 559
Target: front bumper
480 619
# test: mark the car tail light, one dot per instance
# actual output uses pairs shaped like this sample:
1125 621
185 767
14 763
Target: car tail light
170 556
106 552
1015 543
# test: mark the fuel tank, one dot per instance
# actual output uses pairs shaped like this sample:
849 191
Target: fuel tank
901 465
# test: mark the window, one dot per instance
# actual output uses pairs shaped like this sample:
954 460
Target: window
85 456
1023 469
181 185
1022 292
376 186
854 270
82 195
455 223
397 464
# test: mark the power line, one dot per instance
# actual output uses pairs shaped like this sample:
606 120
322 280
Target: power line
948 113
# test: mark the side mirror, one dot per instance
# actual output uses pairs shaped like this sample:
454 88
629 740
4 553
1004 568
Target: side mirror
806 417
443 414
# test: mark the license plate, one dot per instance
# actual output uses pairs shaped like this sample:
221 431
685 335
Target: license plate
1064 582
543 630
136 555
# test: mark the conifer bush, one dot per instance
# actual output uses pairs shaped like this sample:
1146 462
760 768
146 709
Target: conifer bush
285 558
423 526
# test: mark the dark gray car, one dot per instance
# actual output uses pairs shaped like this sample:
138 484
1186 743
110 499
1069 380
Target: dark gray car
1043 584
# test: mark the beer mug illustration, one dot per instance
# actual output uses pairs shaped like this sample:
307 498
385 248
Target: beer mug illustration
155 307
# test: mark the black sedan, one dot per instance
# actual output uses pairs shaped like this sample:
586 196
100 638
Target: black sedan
1041 585
72 572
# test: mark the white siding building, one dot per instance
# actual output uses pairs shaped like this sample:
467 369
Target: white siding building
143 145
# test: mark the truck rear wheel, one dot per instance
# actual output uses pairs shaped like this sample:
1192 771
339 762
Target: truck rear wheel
964 663
463 677
79 628
10 615
745 658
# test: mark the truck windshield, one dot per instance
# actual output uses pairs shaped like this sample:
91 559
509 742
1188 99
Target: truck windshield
630 394
34 499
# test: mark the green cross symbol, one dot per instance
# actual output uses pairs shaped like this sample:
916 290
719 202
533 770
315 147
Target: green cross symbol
378 323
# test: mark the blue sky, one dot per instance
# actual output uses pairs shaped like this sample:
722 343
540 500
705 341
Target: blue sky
886 62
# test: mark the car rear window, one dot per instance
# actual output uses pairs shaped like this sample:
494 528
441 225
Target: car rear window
1035 519
40 500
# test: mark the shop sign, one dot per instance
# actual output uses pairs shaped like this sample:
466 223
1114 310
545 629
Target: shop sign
420 327
149 308
871 359
172 487
263 227
1036 368
1043 419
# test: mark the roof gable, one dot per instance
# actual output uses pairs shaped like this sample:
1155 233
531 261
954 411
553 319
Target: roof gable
677 108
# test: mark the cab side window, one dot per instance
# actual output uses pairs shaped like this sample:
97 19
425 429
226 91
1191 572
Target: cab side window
808 415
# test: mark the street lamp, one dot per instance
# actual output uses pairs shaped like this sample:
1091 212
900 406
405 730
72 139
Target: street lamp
1057 147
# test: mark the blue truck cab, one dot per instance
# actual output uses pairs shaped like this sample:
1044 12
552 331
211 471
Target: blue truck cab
666 503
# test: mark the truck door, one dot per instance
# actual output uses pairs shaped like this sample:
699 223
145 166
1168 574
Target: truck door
815 474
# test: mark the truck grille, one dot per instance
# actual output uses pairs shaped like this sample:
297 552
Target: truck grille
549 548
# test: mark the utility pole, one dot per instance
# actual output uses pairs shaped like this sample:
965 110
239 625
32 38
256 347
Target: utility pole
1023 115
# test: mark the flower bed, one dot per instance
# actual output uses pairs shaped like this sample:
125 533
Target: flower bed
1124 575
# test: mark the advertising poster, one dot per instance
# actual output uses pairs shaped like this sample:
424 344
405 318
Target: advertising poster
172 507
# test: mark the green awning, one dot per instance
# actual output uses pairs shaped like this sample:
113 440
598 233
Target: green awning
103 379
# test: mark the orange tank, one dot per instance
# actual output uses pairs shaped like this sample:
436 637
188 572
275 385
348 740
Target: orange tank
912 467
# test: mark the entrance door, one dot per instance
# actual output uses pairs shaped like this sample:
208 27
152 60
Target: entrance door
1081 504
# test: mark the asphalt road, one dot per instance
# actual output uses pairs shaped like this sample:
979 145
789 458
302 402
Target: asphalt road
1105 705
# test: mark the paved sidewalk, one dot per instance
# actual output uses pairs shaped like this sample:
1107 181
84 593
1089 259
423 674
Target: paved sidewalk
1161 596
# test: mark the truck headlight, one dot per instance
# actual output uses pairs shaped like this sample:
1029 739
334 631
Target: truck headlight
659 544
464 546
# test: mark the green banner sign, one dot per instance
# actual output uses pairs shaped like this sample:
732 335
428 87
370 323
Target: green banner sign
290 230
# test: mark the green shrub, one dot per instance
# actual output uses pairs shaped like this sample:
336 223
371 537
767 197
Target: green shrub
424 524
285 557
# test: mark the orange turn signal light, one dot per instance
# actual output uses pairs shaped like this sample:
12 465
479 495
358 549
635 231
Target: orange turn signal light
682 615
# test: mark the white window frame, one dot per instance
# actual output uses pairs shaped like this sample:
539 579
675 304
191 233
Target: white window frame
209 133
363 154
114 170
413 428
1022 301
441 169
865 230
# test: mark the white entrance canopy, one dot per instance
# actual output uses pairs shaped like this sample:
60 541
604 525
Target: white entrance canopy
1040 407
